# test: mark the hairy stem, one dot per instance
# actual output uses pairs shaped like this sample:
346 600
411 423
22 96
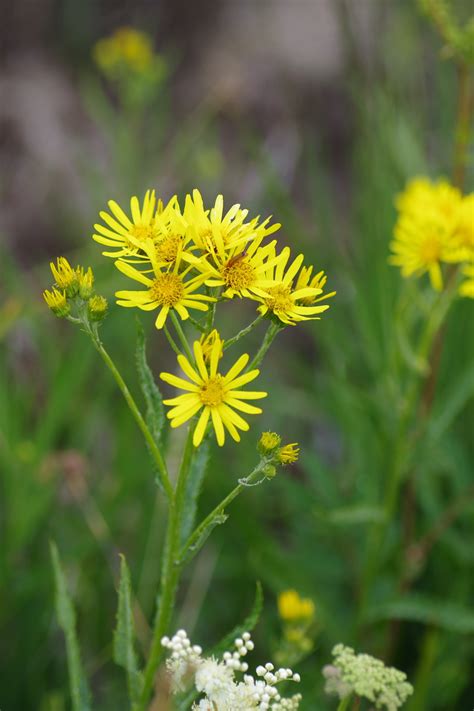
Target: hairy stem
242 333
182 337
170 575
270 335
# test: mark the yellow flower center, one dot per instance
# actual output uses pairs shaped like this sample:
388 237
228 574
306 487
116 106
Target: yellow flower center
239 273
279 298
167 289
430 250
212 392
167 249
143 232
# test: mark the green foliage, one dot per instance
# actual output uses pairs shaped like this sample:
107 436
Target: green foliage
124 635
155 412
80 694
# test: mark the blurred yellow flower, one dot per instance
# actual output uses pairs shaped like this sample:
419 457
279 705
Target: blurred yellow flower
467 286
218 396
293 608
125 46
435 225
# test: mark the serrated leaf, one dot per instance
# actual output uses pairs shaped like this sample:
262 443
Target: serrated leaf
155 411
124 635
78 686
197 472
431 611
187 555
228 641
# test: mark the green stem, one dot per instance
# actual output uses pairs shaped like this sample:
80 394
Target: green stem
272 331
152 446
344 703
211 312
170 575
182 336
171 340
242 333
197 325
217 511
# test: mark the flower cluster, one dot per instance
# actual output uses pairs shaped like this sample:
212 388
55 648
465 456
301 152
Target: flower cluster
176 253
187 259
72 293
292 607
367 677
129 50
435 226
216 678
269 444
298 629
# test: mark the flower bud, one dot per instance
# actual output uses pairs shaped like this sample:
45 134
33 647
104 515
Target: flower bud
268 442
97 308
86 281
57 302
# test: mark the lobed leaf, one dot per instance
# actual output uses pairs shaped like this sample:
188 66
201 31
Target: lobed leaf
78 686
124 635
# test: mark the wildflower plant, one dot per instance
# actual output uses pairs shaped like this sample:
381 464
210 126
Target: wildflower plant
365 677
189 263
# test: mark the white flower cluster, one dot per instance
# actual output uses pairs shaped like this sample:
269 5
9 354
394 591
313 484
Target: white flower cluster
368 677
216 678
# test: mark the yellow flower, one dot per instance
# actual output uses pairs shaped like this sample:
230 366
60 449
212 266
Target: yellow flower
207 342
318 281
126 46
292 607
467 286
462 247
213 230
97 308
216 395
124 234
166 289
85 282
423 195
290 304
421 242
268 442
65 276
57 302
289 453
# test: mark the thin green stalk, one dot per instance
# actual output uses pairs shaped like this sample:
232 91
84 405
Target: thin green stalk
271 333
182 336
197 325
169 576
242 333
154 450
171 340
217 511
344 703
211 312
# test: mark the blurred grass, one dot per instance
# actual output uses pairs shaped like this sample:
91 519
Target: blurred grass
74 470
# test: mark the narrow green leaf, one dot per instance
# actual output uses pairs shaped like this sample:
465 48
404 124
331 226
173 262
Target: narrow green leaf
351 515
79 689
197 473
155 412
431 611
124 635
228 641
461 391
187 555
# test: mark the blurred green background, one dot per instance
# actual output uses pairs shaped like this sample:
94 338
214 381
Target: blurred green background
315 112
